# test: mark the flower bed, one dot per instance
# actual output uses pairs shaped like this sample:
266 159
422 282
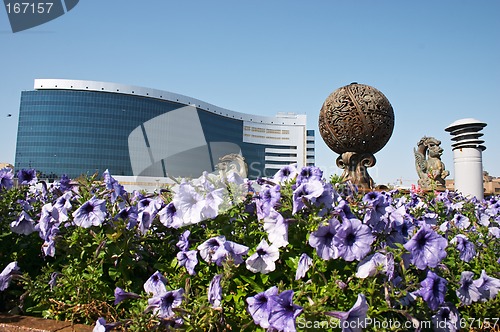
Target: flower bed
217 253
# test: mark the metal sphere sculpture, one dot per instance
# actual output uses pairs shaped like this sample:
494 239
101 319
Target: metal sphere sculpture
356 121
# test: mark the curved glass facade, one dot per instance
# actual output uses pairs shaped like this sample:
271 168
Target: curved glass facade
65 130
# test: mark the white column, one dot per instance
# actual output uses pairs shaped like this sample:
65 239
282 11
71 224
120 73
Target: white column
467 156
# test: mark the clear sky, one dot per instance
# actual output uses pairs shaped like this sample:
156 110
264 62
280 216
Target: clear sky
436 62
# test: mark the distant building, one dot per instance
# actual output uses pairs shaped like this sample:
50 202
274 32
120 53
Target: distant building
77 127
491 184
6 165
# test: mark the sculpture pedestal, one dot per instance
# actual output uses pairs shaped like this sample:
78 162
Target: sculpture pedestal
355 168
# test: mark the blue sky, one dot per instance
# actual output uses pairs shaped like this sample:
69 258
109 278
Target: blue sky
436 62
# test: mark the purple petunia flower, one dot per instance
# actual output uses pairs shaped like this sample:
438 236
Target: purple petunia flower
163 304
353 320
283 311
6 178
212 247
306 192
466 248
376 205
6 275
264 258
63 205
64 183
276 228
128 214
100 325
27 177
24 224
427 248
183 243
353 240
116 188
461 221
53 280
322 240
286 173
371 265
218 249
215 291
468 291
433 290
121 295
188 259
189 204
487 286
308 174
156 284
305 263
446 319
265 201
169 216
258 306
91 213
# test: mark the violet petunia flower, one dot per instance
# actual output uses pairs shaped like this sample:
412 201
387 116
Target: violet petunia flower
212 247
466 248
267 198
258 306
6 275
283 311
353 320
63 205
461 221
308 174
121 295
169 216
353 240
24 224
100 325
114 186
91 213
264 258
53 280
183 243
433 290
156 284
128 214
305 263
427 248
6 178
373 264
215 291
322 240
163 304
218 249
188 259
487 286
276 228
446 319
189 204
286 173
468 291
306 192
64 183
27 177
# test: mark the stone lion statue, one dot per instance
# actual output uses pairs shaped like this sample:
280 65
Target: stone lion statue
430 168
232 163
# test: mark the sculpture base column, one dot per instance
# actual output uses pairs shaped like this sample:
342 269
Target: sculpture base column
355 169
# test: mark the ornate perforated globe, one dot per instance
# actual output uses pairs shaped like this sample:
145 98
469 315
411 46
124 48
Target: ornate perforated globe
356 118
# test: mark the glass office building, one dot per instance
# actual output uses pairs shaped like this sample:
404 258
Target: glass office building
77 127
